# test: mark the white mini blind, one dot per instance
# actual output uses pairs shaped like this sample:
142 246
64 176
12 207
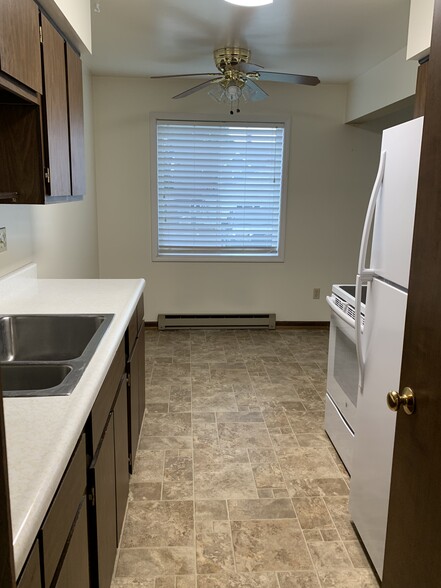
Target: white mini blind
219 188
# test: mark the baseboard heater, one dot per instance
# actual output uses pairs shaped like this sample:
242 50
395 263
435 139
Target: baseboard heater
216 321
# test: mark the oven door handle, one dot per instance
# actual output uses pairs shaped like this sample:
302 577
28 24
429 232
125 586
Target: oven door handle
338 311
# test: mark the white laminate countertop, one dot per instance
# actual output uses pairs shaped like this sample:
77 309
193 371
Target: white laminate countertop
41 433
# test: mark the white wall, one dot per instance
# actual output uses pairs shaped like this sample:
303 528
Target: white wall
420 28
74 19
61 238
390 82
330 174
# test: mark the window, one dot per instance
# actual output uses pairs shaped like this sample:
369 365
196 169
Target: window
218 190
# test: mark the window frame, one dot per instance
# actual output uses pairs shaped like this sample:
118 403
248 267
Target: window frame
218 258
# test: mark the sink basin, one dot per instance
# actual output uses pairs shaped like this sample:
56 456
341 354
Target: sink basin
34 379
45 355
46 337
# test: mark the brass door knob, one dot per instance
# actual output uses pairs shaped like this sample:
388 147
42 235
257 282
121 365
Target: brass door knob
406 399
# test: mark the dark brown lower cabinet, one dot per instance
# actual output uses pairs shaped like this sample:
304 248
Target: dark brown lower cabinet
7 571
76 545
31 574
120 424
74 571
141 374
103 519
133 369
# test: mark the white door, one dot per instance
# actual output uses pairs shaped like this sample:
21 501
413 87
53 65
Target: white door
395 210
375 424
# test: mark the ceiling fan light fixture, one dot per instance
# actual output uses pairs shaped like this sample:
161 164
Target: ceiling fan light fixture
250 2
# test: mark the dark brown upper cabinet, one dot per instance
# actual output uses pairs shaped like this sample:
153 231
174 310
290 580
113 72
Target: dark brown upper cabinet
76 121
20 42
41 132
56 118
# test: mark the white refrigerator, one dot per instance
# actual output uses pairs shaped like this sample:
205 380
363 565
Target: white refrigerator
391 211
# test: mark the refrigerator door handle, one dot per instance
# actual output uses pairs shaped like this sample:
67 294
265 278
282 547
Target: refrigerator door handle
363 271
359 281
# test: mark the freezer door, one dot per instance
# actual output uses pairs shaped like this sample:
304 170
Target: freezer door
375 424
395 211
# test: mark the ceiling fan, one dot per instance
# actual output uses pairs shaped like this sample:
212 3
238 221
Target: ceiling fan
237 78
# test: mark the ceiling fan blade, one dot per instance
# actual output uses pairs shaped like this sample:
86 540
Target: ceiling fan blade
198 87
248 67
272 76
256 92
185 75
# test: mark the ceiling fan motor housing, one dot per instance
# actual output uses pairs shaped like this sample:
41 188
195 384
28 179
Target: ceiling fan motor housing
230 57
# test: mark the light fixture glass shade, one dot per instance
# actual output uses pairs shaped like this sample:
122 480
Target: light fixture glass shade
250 2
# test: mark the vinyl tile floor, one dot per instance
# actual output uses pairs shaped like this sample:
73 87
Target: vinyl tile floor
235 483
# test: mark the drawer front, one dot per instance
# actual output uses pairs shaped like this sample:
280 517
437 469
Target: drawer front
106 397
61 515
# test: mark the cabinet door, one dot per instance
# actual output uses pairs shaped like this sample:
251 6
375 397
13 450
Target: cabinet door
133 372
31 575
76 122
7 570
102 474
55 110
141 375
120 427
74 571
20 42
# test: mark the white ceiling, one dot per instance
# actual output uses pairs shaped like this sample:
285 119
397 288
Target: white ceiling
336 40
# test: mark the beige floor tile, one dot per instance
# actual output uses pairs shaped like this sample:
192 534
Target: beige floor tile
159 524
158 443
347 579
307 462
131 583
232 435
319 487
211 510
142 564
178 478
232 480
145 491
214 551
209 457
262 455
240 417
205 435
298 580
242 510
234 580
329 554
242 413
338 507
166 425
357 554
268 475
149 466
312 513
275 545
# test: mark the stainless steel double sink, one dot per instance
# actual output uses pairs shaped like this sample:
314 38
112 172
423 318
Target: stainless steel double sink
46 355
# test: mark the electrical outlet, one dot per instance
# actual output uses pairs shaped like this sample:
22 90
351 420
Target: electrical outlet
3 244
316 293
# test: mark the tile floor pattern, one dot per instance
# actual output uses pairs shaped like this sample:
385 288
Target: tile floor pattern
236 484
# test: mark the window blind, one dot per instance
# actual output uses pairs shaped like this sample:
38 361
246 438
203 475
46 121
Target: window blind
218 188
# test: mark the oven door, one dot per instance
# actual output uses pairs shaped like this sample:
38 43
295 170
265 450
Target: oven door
342 382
